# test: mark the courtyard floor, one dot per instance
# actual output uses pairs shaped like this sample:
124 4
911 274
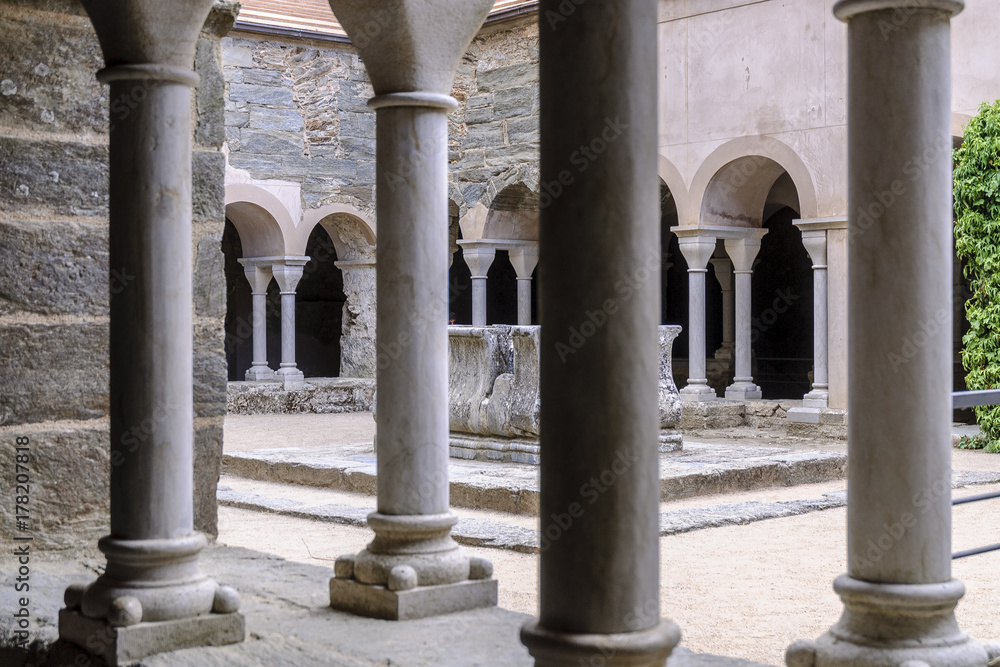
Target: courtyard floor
745 590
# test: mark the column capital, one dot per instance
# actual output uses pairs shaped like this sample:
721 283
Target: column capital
289 274
524 260
159 36
723 272
411 46
743 250
259 276
479 256
697 249
815 243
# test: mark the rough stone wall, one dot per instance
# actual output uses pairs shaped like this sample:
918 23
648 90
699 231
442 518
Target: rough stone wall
296 110
54 269
494 132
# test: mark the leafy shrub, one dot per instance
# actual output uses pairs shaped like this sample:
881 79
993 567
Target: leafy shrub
977 241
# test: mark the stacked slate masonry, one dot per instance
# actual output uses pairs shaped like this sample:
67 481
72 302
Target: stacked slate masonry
54 268
296 110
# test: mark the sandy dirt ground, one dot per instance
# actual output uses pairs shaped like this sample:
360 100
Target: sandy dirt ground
742 591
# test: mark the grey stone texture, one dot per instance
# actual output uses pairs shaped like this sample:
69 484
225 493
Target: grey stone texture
289 625
54 272
318 396
494 400
297 111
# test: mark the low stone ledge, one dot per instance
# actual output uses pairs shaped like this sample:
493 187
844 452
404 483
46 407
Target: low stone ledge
317 396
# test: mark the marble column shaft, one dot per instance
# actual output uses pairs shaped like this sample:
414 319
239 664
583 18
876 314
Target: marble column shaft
724 274
743 251
153 573
899 595
815 244
599 593
697 251
524 261
259 278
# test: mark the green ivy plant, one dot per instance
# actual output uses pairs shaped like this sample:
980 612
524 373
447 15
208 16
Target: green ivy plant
977 241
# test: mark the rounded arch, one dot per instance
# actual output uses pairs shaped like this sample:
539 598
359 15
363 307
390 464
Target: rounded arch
511 215
353 233
671 179
260 219
732 185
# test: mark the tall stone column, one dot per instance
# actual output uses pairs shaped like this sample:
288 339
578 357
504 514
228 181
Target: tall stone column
153 595
287 275
815 243
413 568
899 595
357 338
524 261
600 576
743 251
697 250
724 274
259 276
479 257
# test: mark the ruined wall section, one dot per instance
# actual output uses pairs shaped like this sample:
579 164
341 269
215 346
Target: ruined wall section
54 272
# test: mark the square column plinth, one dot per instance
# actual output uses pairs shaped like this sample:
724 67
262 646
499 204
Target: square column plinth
125 645
376 601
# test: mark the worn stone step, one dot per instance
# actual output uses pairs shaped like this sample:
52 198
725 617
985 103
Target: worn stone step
700 469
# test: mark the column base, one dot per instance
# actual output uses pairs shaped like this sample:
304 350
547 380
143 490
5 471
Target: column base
290 378
259 374
374 601
893 625
817 398
804 415
125 645
670 440
646 648
695 393
743 391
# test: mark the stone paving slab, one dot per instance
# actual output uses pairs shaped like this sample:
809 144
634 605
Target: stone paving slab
700 469
289 624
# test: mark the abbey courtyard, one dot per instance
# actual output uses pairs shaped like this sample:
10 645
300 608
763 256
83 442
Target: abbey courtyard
428 332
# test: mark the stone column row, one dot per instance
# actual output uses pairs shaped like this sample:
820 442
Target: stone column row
287 271
479 255
698 245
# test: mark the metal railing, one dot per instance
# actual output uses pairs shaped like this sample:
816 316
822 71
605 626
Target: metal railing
972 399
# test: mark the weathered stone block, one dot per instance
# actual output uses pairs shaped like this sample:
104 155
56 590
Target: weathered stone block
44 55
523 130
281 120
274 96
209 187
70 477
263 142
53 267
479 115
516 102
236 54
479 101
261 77
210 370
54 371
484 135
210 120
510 76
58 177
207 467
507 156
357 124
